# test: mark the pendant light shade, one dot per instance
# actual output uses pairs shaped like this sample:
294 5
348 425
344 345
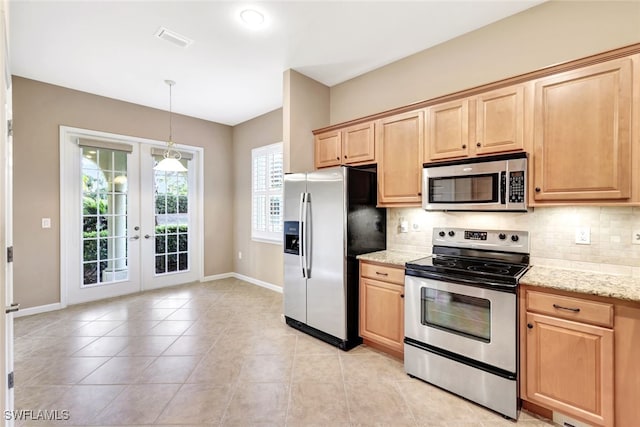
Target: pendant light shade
171 157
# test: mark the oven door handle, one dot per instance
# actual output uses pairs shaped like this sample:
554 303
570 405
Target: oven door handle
467 282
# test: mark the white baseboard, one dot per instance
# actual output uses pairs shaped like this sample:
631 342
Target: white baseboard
38 309
258 282
217 277
57 306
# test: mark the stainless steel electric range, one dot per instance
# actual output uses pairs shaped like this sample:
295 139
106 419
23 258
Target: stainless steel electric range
461 315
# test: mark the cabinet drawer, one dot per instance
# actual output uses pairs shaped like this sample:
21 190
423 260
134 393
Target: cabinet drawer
597 313
381 272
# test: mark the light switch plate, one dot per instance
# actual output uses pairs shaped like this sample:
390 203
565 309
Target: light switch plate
635 237
46 222
583 235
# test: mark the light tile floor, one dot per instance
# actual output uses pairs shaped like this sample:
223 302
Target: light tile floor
217 354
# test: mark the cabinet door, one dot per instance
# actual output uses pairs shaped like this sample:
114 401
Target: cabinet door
382 313
448 130
500 120
328 149
358 146
399 146
582 133
570 368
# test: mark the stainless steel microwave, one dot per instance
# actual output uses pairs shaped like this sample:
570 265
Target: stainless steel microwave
493 183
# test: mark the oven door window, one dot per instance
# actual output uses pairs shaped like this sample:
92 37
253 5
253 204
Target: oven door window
459 314
481 188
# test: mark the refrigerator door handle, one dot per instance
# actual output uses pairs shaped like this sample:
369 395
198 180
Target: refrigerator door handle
307 237
301 221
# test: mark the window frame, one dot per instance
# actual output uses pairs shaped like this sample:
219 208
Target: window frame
273 237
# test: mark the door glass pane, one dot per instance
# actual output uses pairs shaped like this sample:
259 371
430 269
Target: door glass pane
456 313
171 191
104 216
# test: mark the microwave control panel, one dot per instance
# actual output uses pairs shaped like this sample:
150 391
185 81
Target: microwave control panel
516 187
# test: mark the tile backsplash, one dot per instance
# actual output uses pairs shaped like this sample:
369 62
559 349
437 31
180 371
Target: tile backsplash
552 232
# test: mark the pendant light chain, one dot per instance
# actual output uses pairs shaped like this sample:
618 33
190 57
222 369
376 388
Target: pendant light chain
170 115
170 83
171 161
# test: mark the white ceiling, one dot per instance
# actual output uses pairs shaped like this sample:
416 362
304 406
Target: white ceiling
229 74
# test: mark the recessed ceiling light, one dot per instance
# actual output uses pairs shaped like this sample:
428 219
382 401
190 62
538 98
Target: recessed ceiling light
252 18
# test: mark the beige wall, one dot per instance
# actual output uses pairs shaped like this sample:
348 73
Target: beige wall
39 109
551 33
305 108
262 261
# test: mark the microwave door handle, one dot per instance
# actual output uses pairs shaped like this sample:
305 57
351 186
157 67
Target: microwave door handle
503 188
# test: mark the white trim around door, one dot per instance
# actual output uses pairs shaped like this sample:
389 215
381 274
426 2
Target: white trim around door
141 187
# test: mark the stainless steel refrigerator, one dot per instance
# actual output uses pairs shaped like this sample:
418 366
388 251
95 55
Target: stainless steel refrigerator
330 217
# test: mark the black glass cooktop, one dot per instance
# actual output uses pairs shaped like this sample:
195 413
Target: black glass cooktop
471 266
467 266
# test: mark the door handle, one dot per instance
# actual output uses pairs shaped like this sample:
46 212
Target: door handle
308 237
136 237
146 236
12 308
301 231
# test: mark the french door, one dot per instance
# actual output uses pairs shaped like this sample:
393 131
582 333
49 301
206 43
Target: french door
125 226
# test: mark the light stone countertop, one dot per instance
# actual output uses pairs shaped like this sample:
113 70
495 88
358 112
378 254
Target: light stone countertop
584 282
397 258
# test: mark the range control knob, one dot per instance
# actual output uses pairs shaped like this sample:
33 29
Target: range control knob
452 233
502 236
441 234
514 238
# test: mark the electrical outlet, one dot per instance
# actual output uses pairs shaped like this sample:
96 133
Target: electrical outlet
239 255
415 226
583 235
635 237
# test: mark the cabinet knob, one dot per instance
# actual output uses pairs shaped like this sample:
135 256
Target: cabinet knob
401 295
337 158
345 157
529 325
464 145
420 194
537 189
478 144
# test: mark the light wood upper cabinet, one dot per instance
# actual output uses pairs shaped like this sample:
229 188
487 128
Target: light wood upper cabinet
328 149
354 145
448 130
489 123
582 134
358 144
399 144
499 118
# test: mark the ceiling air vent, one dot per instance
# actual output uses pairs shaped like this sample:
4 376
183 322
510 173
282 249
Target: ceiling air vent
173 37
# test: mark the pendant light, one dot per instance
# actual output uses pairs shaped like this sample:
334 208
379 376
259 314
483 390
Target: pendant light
171 157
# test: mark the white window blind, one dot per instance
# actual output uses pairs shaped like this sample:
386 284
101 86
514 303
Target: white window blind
266 195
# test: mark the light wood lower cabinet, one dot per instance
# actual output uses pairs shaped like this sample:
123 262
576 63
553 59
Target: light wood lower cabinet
382 307
570 367
579 356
